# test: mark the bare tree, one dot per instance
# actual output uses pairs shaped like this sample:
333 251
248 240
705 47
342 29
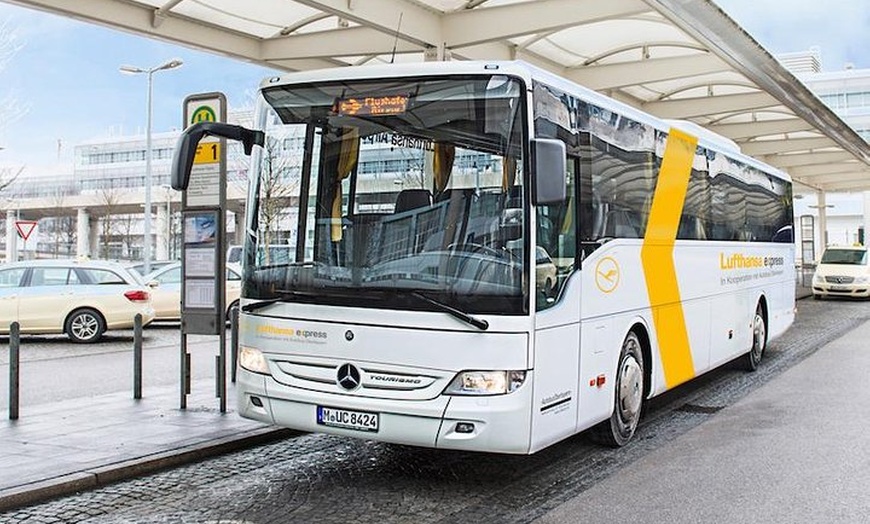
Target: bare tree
278 184
8 175
126 228
108 199
62 228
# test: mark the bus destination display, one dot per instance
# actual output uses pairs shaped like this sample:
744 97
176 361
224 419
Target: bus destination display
372 105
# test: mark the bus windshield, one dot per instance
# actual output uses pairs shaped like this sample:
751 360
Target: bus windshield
397 194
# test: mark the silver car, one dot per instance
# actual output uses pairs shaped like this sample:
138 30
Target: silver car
80 298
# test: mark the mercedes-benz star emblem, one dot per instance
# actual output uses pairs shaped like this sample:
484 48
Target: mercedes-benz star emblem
348 377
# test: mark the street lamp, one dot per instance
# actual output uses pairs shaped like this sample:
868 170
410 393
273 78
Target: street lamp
131 70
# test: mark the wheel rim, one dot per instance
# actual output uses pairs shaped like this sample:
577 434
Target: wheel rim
84 326
759 337
630 388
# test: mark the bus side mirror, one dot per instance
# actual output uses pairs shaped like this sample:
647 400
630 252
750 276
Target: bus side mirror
185 149
548 158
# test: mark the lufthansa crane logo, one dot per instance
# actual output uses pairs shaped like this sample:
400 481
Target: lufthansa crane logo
348 377
607 274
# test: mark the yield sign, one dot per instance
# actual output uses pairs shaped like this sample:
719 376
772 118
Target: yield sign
25 228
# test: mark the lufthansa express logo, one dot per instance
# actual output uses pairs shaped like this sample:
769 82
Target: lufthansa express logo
607 274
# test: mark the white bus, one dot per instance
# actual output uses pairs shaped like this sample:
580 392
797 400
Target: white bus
493 258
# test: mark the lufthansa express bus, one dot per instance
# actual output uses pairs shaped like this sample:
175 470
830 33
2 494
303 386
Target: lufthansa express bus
489 257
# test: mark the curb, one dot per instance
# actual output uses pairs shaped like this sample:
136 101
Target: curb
41 491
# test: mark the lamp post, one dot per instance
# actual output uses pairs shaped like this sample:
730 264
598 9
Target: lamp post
131 70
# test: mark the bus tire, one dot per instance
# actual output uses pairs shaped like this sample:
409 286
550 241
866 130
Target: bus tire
628 396
759 341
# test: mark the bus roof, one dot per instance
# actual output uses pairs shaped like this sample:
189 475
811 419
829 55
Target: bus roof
528 72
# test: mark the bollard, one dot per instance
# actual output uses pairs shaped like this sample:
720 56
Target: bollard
234 343
217 375
137 356
14 346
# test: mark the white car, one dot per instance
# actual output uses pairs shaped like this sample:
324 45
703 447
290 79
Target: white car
165 284
842 272
80 298
545 271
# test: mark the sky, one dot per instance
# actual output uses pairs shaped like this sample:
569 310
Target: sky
66 72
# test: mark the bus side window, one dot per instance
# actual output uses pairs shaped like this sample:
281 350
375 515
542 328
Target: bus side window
556 243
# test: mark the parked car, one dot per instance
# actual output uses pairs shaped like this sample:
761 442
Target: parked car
545 271
82 299
277 253
165 285
139 267
842 272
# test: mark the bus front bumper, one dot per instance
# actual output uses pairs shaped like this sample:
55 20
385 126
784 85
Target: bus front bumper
499 424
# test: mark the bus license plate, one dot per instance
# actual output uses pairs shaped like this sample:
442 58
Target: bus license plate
347 419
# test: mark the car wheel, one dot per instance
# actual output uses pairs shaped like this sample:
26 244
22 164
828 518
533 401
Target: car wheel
628 396
817 297
759 341
84 326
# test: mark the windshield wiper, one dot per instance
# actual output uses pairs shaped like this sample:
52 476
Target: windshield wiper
258 305
479 323
284 294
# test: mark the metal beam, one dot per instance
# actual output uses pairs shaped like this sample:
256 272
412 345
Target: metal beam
769 147
764 128
710 105
477 26
178 29
817 170
853 175
708 24
807 159
419 25
352 41
857 185
612 76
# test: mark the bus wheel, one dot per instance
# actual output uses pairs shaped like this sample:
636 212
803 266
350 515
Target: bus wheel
628 397
759 341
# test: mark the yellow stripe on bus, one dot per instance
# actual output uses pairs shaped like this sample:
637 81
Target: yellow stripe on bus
657 257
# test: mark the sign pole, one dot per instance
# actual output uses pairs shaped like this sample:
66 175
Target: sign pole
203 247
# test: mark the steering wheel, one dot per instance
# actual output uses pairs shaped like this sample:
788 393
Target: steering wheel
473 247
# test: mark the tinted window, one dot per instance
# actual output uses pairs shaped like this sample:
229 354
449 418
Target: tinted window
11 277
52 276
747 204
171 276
101 276
845 256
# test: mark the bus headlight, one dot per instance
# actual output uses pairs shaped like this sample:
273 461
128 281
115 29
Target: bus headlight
485 382
253 360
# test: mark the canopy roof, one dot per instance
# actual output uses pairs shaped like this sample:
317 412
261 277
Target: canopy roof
679 59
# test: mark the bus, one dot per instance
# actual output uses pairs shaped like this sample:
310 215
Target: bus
489 257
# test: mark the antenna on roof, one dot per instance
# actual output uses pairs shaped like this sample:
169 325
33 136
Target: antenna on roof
396 41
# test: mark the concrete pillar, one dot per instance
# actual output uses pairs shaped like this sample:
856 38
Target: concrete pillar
161 251
239 231
11 237
93 237
866 218
823 222
83 230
